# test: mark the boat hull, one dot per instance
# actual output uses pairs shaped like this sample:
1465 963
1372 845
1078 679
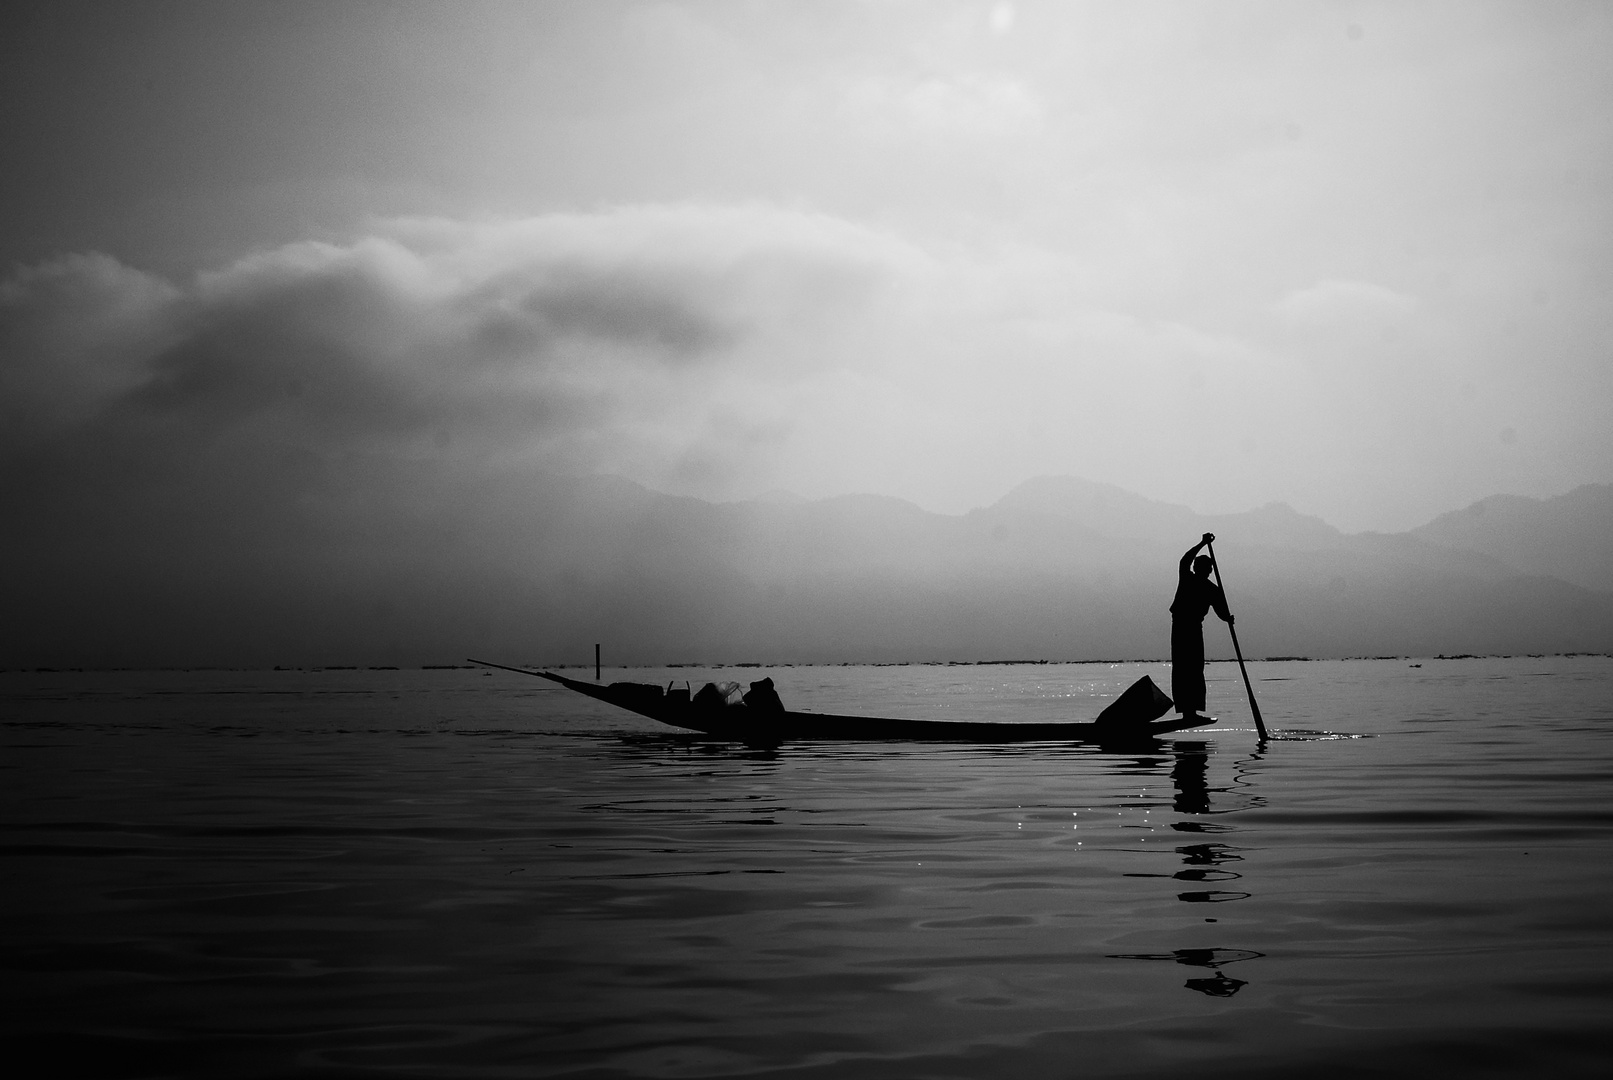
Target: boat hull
743 725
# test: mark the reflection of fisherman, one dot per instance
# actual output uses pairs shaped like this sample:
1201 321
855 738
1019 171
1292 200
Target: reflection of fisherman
1196 594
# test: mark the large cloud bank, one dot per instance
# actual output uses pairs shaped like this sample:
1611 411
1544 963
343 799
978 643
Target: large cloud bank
717 352
617 342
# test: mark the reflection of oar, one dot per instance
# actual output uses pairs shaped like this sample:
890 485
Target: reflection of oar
1260 725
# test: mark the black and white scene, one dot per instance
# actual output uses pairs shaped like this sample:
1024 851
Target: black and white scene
806 539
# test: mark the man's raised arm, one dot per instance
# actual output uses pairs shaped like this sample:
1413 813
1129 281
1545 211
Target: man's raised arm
1187 560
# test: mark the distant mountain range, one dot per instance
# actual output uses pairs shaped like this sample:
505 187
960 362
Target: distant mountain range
1060 568
1569 537
538 568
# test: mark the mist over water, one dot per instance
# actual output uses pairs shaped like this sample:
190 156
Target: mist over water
458 873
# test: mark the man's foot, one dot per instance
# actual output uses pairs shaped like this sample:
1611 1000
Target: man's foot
1195 718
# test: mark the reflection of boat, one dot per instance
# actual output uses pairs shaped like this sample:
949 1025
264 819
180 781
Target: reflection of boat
1133 716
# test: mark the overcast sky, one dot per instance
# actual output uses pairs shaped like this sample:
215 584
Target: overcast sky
1355 257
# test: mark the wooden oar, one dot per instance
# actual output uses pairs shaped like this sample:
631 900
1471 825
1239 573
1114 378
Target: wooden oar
506 667
1260 725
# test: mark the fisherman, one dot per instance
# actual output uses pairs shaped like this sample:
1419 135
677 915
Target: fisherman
1196 594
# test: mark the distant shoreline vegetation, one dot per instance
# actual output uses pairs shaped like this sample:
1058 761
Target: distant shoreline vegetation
314 668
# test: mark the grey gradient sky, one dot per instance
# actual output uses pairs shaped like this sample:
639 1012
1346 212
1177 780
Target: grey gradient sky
1355 257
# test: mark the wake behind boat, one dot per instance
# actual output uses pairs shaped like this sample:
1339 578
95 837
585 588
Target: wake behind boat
759 716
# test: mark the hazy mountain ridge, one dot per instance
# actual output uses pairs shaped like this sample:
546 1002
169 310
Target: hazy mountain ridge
539 567
1062 567
1568 537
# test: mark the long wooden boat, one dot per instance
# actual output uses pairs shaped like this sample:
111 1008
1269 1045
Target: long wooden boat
1135 717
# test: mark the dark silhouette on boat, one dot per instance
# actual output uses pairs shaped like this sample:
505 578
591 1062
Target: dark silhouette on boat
758 716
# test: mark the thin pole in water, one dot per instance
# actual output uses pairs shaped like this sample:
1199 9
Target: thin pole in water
596 661
1260 725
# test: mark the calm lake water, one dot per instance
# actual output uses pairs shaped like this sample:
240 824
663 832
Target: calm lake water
458 873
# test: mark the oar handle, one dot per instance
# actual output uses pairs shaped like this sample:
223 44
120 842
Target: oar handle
1248 688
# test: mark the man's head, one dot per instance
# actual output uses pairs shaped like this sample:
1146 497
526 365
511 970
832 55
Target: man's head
1201 566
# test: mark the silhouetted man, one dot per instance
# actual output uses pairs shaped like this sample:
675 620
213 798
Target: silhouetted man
1196 594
